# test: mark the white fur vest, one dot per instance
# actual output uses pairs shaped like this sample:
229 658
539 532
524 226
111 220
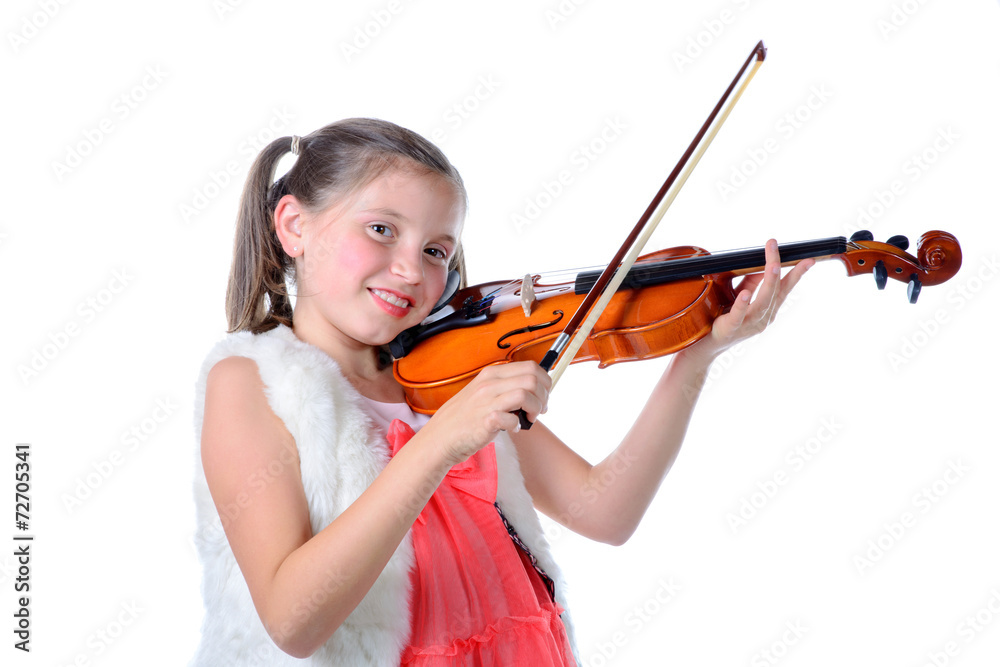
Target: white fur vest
340 457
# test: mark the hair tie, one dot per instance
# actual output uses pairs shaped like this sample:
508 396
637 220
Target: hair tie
296 144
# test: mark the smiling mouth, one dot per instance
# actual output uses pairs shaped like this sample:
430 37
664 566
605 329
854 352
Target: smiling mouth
390 298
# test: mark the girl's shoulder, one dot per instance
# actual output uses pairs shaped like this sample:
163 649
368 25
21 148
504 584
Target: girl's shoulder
282 361
302 384
279 343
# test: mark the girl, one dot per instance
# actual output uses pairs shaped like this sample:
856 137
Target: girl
334 523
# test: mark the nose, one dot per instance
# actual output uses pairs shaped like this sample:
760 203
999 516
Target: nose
409 266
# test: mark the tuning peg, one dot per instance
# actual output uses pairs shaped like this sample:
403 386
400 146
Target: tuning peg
881 275
913 289
862 235
899 241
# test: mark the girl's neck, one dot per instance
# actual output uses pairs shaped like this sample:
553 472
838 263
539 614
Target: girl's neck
360 364
384 390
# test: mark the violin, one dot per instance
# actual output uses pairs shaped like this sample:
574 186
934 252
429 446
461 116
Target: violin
636 307
667 301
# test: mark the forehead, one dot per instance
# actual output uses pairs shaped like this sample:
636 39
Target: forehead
413 196
399 181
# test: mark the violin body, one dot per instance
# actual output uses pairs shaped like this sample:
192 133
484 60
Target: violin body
667 318
669 301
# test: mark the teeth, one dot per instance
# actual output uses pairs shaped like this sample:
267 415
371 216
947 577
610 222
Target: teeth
389 298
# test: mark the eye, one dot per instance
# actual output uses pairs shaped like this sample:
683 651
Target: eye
437 253
381 229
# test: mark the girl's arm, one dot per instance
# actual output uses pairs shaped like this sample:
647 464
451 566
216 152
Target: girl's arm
268 528
605 502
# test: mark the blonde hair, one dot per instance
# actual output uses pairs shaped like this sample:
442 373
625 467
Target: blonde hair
333 161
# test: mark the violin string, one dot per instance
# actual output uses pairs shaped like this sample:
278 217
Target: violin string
705 264
571 272
654 269
506 288
693 265
639 262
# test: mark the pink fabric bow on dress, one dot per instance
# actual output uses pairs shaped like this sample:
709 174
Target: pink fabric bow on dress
477 476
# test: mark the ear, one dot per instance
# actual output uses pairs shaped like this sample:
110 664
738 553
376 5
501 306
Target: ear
288 225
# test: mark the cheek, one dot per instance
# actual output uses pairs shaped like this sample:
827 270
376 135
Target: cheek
435 287
350 264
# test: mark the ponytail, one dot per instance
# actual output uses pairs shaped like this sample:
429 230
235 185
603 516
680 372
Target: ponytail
257 295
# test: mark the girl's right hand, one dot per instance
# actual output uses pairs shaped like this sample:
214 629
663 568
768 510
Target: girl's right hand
489 404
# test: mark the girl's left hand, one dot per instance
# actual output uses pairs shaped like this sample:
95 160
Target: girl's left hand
747 318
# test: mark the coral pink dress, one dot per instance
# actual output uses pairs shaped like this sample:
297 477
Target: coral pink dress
477 597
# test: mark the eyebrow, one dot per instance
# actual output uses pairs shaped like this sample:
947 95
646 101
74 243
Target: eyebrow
386 211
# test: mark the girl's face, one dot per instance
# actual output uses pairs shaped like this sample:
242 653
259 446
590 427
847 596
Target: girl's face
376 263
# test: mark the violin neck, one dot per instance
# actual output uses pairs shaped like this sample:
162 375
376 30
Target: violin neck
735 262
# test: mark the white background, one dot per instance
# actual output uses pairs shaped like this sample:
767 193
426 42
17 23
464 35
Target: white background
120 120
